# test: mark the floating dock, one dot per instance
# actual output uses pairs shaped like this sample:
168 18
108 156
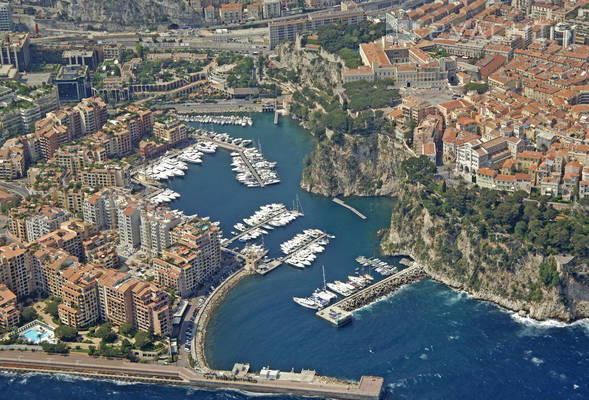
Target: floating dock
352 209
340 313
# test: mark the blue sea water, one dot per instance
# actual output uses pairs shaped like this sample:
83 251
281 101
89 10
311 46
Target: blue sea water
427 340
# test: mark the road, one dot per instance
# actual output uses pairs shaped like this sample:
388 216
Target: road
21 190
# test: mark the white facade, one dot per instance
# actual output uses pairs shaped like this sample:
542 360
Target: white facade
5 17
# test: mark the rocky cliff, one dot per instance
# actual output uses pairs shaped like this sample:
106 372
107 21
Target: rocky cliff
114 14
353 165
314 69
498 269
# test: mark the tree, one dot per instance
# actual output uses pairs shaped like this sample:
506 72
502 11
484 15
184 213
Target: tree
143 340
28 314
66 333
55 347
91 350
549 274
520 229
126 329
51 308
106 333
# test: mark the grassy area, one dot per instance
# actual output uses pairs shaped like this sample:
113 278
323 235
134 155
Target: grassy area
335 37
351 58
364 94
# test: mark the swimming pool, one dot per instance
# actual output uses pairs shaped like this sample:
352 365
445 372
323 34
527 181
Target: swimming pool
37 334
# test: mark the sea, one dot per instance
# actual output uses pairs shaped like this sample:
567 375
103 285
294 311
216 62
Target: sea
428 341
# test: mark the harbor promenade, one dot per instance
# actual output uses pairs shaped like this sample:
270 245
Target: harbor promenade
369 388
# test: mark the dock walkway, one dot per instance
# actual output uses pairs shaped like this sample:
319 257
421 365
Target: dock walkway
341 312
352 209
227 242
275 263
239 149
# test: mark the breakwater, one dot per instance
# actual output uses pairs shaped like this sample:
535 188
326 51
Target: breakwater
206 311
340 313
369 387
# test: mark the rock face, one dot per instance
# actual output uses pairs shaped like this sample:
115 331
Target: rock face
315 69
353 166
452 255
114 14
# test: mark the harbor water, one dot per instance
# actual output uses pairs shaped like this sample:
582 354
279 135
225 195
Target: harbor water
426 340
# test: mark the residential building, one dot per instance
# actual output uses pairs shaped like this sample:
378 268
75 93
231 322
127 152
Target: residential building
129 225
287 30
271 9
9 313
5 17
16 269
171 131
231 12
156 226
45 220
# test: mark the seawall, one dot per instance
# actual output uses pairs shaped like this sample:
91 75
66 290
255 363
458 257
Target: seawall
206 311
369 388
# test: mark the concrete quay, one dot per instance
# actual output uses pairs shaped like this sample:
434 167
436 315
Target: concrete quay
340 313
369 387
352 209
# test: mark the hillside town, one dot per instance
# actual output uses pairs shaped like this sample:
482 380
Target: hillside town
494 94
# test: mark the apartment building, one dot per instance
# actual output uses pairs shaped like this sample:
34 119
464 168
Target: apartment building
108 176
271 9
5 17
9 313
99 209
92 114
287 30
129 226
192 258
171 131
231 12
80 297
156 226
45 219
16 269
123 298
64 239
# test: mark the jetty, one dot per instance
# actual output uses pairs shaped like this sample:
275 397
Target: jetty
227 242
352 209
238 149
305 383
340 313
271 265
276 114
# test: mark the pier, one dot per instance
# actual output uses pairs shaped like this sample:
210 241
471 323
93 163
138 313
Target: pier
300 384
276 114
340 313
352 209
275 263
227 242
239 149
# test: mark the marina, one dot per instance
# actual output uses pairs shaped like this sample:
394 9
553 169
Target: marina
378 265
340 313
265 219
218 119
300 250
248 163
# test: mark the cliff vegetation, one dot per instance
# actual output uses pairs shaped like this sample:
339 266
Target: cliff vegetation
523 255
349 165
